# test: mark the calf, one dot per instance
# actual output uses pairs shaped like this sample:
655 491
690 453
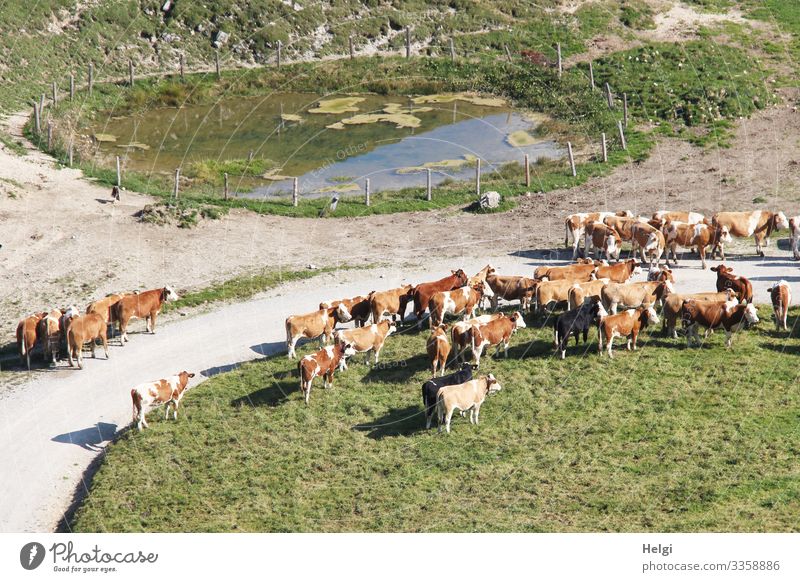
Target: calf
627 324
741 286
392 302
82 329
146 305
431 388
438 350
760 224
575 226
322 363
632 295
49 332
574 322
781 296
619 272
467 396
495 333
424 291
602 238
317 324
26 337
729 315
461 335
364 339
512 288
576 273
794 232
168 391
357 309
699 236
463 300
579 293
673 304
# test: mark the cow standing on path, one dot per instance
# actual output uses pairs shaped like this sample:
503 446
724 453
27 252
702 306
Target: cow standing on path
167 391
741 286
85 329
145 305
760 224
26 337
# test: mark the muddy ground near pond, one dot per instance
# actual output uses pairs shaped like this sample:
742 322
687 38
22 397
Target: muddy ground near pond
64 242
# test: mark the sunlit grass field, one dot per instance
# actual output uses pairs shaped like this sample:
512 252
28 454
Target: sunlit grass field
663 439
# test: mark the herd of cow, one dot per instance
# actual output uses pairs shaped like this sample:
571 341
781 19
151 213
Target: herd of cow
591 289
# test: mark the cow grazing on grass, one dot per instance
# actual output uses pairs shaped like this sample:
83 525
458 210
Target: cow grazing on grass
579 293
781 296
576 273
512 288
728 315
317 324
460 332
673 304
462 300
575 322
649 241
575 226
633 295
603 239
430 389
83 329
26 337
760 224
364 339
741 286
438 350
322 363
619 272
627 324
467 396
698 236
495 333
794 233
424 291
357 309
167 391
392 302
145 305
49 333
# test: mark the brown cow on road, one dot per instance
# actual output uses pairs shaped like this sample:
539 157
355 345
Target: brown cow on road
49 333
741 286
103 306
26 337
83 329
649 241
575 226
317 324
602 238
699 236
144 305
760 224
576 272
424 291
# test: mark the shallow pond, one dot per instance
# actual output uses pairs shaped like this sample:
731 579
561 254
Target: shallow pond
332 143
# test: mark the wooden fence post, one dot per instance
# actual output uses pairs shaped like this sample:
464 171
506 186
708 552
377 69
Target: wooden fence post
37 118
91 77
177 181
625 109
558 50
71 87
591 75
225 191
508 52
216 62
130 72
295 190
571 159
280 46
609 97
182 64
408 42
452 51
478 177
55 94
428 190
49 135
527 171
352 49
119 174
605 148
622 135
41 104
366 191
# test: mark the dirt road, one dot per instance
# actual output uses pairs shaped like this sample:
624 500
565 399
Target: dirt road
58 422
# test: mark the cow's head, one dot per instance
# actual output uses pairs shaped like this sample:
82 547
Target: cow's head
625 213
650 314
750 314
347 349
492 384
595 307
342 313
183 378
517 320
168 294
483 289
688 312
780 221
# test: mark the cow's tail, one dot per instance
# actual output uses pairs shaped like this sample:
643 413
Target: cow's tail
288 333
566 233
136 399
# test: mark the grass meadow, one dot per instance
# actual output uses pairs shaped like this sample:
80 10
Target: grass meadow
663 439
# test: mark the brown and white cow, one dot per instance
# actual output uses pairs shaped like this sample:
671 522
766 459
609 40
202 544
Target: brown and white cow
627 324
167 391
49 333
741 286
512 288
665 216
699 236
728 315
438 349
355 309
619 272
392 302
323 363
673 303
364 339
649 241
603 239
460 332
575 273
424 291
575 226
145 305
462 300
495 333
83 329
580 292
467 396
317 324
548 292
633 295
760 224
781 296
794 233
26 337
103 306
622 224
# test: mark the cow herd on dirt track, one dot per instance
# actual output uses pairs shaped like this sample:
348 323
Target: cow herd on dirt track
596 294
